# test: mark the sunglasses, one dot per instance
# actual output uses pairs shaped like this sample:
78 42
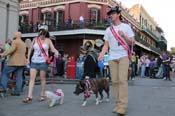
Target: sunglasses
42 32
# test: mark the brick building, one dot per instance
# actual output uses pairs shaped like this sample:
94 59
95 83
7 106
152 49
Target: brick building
63 20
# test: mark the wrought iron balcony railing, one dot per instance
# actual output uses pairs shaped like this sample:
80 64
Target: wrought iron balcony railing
29 28
155 49
138 38
151 33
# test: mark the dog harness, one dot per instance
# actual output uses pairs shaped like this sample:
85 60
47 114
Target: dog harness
87 88
57 93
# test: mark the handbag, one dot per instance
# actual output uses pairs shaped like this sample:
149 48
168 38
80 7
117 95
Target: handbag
43 51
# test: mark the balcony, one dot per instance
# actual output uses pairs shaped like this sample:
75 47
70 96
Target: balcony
150 33
30 28
148 46
155 49
162 39
137 37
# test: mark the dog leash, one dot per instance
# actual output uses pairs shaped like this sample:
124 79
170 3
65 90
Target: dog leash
52 80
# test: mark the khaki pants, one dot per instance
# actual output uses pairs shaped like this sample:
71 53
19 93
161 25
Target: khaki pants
119 76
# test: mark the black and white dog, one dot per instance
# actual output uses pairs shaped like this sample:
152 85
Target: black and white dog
92 85
55 97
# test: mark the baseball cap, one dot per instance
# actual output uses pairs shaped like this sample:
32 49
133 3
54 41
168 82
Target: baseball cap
43 27
116 9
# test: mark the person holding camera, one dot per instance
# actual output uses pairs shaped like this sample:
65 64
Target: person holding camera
39 61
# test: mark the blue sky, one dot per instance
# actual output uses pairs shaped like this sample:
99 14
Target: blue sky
163 13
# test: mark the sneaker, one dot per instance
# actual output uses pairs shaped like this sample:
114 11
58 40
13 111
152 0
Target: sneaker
133 79
114 110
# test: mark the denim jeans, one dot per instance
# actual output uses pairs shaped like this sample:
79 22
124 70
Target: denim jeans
81 24
160 72
133 70
167 72
143 67
7 70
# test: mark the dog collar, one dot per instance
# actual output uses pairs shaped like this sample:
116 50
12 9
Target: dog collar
57 93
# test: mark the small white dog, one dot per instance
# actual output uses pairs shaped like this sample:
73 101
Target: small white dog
55 97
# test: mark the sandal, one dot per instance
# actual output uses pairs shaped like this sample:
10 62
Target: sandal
42 98
27 100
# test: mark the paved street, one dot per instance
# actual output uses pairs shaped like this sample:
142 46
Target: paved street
147 97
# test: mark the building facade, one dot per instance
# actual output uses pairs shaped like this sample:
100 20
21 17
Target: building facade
65 24
63 20
150 33
9 13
